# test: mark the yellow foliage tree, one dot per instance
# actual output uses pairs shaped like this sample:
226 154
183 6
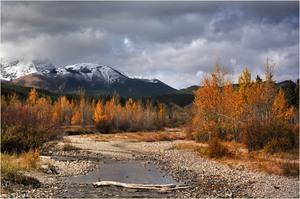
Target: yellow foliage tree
56 113
77 117
280 110
33 95
245 84
162 114
14 100
211 114
98 116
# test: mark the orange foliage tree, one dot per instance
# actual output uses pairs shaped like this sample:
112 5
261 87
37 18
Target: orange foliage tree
99 116
256 113
215 107
28 126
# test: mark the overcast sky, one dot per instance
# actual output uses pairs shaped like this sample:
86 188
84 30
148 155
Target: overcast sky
176 42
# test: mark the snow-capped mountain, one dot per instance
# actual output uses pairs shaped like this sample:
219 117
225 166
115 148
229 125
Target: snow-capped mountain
12 69
146 79
89 72
93 78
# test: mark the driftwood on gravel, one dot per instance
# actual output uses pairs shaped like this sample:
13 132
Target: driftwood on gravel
159 187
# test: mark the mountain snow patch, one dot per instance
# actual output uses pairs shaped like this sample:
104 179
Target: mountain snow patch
12 69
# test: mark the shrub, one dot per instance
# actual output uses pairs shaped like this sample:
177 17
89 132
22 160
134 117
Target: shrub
9 166
190 135
290 169
30 160
253 135
201 137
23 129
201 150
272 136
217 149
296 136
278 145
106 127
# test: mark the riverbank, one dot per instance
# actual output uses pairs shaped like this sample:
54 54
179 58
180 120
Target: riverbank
77 155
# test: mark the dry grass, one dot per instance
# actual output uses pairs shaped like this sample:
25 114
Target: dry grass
240 158
11 164
78 130
217 149
285 164
139 136
30 160
201 149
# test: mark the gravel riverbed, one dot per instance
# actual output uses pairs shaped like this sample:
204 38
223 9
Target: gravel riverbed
213 179
205 178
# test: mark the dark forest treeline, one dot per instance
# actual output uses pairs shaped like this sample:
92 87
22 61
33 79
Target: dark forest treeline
181 98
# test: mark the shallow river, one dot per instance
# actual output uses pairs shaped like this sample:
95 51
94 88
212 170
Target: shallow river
125 171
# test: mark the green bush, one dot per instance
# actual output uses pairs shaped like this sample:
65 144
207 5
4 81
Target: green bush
217 149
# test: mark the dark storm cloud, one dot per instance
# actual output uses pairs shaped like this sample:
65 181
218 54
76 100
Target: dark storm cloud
177 42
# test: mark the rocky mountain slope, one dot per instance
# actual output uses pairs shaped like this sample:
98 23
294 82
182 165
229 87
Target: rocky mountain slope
12 69
93 78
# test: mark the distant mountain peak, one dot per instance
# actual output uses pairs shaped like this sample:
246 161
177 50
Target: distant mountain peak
153 80
15 68
92 77
90 72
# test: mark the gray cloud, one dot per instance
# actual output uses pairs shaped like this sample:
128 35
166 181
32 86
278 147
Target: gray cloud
176 42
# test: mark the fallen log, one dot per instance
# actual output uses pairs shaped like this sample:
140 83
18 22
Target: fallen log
159 187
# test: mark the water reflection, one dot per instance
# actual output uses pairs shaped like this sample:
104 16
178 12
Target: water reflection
128 172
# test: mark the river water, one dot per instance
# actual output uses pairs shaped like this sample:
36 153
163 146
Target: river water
125 171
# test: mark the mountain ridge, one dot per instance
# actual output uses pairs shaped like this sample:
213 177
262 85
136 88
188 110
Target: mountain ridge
15 68
92 77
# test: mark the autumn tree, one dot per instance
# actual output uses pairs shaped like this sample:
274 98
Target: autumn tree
77 117
162 114
13 100
28 126
136 121
212 117
33 95
255 113
231 113
44 111
263 111
245 84
84 111
149 116
99 115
